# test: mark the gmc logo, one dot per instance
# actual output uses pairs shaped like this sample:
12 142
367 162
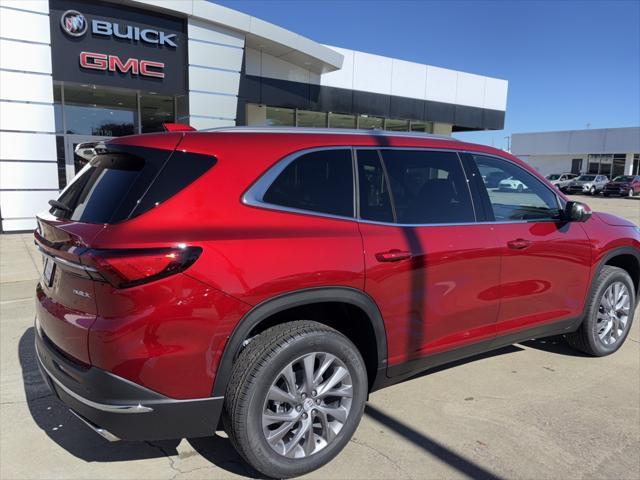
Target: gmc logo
112 63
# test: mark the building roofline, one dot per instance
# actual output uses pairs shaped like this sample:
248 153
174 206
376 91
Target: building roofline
259 34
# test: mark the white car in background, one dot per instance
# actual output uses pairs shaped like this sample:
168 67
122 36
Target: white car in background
511 184
561 180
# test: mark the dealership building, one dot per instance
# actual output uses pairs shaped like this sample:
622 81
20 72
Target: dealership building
606 151
73 72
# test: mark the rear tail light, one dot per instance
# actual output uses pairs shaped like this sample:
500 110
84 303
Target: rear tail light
128 268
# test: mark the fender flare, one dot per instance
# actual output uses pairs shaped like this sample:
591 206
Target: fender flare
298 298
626 250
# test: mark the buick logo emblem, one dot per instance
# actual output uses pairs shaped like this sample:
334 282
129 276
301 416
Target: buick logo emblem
73 23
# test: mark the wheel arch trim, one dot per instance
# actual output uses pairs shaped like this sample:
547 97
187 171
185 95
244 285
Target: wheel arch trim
616 252
272 306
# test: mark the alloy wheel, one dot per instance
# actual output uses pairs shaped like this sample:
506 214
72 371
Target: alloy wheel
307 405
613 314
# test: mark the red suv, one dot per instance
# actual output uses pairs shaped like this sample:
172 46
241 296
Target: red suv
268 281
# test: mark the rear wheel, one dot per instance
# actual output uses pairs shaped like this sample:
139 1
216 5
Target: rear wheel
609 314
632 192
295 398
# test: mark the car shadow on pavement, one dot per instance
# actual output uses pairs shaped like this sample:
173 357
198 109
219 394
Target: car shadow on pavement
555 344
54 418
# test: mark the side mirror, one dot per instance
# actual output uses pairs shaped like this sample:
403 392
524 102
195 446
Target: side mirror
577 212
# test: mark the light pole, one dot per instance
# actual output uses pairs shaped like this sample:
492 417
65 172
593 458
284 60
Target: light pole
508 139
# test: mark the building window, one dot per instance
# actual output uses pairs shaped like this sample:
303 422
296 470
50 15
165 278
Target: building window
417 126
396 125
305 118
106 112
280 117
339 120
619 160
366 122
156 110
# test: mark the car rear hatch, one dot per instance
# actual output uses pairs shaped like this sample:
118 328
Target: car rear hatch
127 178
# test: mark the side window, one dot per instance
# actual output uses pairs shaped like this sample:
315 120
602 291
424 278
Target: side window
319 181
514 193
428 187
375 203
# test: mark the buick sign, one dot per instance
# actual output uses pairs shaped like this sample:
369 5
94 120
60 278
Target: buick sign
73 23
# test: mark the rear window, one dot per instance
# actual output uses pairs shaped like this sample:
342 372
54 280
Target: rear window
127 181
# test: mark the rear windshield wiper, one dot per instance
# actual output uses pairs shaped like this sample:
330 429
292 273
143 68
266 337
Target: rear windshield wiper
59 205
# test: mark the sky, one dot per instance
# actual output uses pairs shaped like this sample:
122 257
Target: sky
570 64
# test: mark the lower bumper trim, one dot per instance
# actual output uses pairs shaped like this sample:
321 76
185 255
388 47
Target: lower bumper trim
98 406
106 434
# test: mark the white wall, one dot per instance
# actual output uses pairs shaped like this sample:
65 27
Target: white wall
377 74
546 164
28 167
215 61
601 140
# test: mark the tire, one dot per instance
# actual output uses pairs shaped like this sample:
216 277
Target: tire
588 338
592 192
520 188
261 366
632 192
606 195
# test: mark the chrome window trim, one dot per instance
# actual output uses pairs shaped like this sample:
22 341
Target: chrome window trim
253 196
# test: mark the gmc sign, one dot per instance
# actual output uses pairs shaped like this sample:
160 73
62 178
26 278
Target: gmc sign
112 63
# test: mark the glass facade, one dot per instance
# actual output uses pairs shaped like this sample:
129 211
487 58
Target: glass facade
610 165
340 120
86 114
366 122
267 115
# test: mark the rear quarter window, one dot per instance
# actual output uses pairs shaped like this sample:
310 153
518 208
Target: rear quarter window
127 181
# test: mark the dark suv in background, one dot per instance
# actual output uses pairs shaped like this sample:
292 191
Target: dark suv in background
624 186
275 278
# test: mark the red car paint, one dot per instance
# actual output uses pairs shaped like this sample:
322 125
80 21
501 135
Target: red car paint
461 285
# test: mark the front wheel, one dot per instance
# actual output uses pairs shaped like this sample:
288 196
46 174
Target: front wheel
295 398
632 192
592 191
608 316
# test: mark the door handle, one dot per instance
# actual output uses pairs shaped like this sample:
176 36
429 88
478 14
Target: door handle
394 255
519 244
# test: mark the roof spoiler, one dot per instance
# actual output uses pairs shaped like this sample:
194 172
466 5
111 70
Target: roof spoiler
177 127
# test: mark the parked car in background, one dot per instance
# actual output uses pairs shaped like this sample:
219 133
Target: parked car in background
561 180
274 278
493 178
624 185
511 184
587 183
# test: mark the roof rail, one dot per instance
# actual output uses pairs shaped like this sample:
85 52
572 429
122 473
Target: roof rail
327 131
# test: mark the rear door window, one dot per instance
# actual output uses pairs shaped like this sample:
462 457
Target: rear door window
320 181
428 187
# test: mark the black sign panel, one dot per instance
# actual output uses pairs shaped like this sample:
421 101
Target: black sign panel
114 45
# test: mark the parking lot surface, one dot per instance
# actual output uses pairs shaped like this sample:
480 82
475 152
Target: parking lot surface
532 411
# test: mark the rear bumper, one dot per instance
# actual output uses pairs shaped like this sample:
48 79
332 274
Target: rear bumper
119 409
